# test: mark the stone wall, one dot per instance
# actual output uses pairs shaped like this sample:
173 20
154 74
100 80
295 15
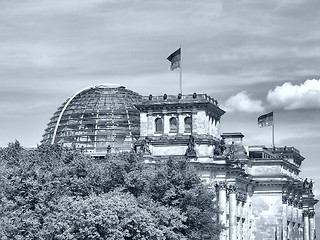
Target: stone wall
266 216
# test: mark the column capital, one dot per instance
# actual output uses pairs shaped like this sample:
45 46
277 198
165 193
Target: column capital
311 214
284 199
241 197
221 185
305 213
232 189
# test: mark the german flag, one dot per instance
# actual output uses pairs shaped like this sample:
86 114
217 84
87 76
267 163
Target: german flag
175 59
266 120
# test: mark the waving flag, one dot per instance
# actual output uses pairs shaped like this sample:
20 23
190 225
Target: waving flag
266 120
175 59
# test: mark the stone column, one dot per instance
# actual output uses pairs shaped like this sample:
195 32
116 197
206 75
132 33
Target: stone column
232 212
166 125
245 220
241 203
295 218
194 116
222 188
150 129
300 217
311 225
209 125
216 129
290 214
284 216
306 225
181 123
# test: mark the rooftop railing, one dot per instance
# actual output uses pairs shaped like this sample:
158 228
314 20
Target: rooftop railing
181 98
284 149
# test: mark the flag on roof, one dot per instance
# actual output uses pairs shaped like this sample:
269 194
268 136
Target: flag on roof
175 59
266 120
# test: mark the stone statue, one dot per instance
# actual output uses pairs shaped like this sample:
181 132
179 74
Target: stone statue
219 148
229 152
305 184
190 150
108 149
145 146
308 185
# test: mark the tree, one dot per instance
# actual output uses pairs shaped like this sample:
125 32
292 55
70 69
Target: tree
58 193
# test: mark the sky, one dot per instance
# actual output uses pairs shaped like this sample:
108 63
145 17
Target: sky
253 56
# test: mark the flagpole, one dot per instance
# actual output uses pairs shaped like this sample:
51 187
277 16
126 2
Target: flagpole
273 132
180 83
273 136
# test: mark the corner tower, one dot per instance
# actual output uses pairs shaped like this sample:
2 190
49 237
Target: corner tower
179 125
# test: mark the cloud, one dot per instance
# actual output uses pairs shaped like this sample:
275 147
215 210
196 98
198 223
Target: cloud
289 96
243 103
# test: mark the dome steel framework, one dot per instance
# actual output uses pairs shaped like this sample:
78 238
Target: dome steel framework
96 119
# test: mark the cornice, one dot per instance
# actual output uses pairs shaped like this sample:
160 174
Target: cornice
178 139
189 106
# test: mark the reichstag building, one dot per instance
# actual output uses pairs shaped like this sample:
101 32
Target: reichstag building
259 192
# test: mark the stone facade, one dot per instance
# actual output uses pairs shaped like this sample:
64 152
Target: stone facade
259 191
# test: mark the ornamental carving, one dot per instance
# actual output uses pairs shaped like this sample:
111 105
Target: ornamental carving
290 201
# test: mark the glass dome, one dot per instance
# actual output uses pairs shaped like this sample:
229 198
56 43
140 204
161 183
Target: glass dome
97 119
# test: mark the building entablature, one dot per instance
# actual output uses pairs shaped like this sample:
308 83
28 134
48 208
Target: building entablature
178 139
299 191
278 184
268 167
289 153
309 201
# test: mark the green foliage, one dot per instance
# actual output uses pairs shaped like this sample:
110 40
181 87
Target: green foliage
58 193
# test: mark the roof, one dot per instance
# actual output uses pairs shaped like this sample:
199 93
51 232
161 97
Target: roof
96 119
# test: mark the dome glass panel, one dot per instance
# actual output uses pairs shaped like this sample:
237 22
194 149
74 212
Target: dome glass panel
97 119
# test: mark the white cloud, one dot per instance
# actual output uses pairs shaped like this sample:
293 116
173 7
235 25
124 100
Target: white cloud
303 96
243 103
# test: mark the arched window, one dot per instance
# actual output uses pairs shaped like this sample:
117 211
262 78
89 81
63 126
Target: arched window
187 124
173 124
159 125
